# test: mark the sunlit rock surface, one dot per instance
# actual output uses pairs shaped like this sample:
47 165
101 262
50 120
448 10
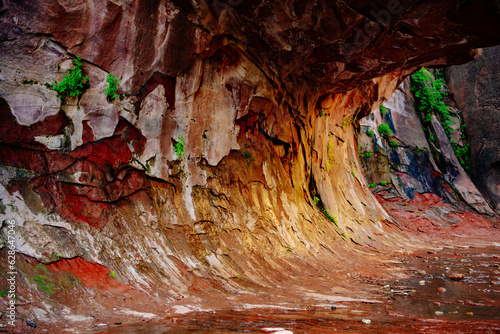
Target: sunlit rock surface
266 96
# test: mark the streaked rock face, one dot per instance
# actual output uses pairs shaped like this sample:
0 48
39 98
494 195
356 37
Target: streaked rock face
265 96
417 164
475 87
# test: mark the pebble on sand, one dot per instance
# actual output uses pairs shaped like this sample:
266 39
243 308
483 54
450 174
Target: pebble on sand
438 313
366 321
441 289
272 330
456 276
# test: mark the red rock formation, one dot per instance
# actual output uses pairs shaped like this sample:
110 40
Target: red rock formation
266 97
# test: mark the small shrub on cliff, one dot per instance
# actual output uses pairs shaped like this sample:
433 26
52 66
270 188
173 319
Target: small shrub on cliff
111 94
383 110
179 147
385 130
317 201
383 183
73 83
430 93
370 132
393 143
372 185
366 155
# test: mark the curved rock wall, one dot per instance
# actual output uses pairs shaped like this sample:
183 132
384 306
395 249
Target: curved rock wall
266 98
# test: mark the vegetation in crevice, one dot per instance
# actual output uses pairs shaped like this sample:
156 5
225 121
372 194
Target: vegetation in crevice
393 143
73 83
366 154
383 110
111 90
179 147
384 130
430 95
317 201
346 121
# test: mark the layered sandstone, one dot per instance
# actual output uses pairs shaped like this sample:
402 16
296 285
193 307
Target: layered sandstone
267 98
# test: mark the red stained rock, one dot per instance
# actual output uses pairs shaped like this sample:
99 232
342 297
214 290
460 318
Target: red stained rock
92 274
13 133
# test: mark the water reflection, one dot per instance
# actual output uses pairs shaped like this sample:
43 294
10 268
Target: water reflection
428 301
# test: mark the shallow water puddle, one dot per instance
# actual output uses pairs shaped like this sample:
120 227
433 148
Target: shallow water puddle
462 284
428 301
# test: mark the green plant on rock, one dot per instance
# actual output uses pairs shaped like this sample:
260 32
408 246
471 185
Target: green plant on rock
346 121
44 283
383 183
317 201
463 155
383 110
111 91
179 147
430 93
366 155
73 83
370 132
372 185
385 130
393 143
418 149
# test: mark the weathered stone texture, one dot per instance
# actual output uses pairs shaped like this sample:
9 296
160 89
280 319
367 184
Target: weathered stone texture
266 96
475 87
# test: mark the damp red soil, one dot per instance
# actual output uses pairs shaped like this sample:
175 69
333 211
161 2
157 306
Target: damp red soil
425 300
411 292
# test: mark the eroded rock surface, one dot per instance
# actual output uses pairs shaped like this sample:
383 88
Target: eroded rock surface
475 87
266 97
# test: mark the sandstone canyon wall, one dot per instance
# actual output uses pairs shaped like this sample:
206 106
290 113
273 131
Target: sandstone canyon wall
475 87
266 97
420 156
